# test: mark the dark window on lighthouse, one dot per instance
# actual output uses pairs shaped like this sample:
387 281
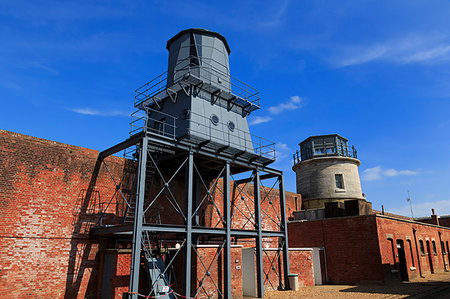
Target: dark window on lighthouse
339 181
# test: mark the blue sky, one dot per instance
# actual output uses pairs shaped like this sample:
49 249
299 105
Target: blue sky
376 72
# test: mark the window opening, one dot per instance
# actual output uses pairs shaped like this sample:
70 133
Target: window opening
215 119
434 247
422 248
231 126
339 181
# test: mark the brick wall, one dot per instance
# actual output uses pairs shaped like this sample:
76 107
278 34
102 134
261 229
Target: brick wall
351 246
46 209
364 248
398 230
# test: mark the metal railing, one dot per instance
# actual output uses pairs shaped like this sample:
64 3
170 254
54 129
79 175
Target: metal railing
157 89
165 125
331 151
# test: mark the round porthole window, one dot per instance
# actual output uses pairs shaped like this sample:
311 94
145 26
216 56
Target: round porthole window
231 126
215 119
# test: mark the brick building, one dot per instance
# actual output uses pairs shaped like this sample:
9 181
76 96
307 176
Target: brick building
375 248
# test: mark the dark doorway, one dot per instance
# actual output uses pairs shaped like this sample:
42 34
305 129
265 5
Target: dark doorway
430 257
402 260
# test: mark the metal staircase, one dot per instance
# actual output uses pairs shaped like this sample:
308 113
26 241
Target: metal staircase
130 210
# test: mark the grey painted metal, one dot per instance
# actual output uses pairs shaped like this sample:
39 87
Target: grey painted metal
262 177
226 156
285 231
227 209
137 230
188 204
135 139
121 230
259 252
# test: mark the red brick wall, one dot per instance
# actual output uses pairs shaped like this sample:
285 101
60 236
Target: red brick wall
358 249
301 263
46 209
206 284
403 230
351 246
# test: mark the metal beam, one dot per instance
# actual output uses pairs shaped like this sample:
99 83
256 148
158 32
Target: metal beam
188 205
121 230
138 216
227 211
285 232
133 140
187 146
263 177
259 252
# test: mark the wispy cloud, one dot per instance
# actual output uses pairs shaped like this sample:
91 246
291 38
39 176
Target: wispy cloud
363 57
259 120
277 16
378 173
94 112
430 54
442 207
412 49
282 150
293 104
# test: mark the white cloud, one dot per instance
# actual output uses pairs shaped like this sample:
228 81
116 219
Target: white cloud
277 16
293 104
259 120
363 57
441 207
431 54
377 173
94 112
411 49
282 151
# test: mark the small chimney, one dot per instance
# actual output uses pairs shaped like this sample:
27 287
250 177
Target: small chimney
434 218
382 210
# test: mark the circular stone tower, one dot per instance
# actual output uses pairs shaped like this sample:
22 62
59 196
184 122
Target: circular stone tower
327 171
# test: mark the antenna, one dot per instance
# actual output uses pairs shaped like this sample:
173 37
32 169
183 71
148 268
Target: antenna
408 199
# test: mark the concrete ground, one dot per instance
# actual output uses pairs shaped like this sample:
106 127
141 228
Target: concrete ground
436 286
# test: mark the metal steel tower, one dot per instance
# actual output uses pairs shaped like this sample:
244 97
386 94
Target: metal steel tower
194 155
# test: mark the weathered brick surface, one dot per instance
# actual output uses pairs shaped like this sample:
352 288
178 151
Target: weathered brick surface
46 209
358 249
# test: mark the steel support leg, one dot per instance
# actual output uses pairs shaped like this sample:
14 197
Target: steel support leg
188 204
285 232
259 249
227 211
137 229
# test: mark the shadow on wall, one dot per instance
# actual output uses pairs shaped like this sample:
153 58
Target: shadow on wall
81 245
90 210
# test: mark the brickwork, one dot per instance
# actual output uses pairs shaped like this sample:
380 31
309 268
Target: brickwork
53 193
350 243
364 248
46 209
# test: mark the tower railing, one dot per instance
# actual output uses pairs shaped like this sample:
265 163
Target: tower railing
331 151
157 89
